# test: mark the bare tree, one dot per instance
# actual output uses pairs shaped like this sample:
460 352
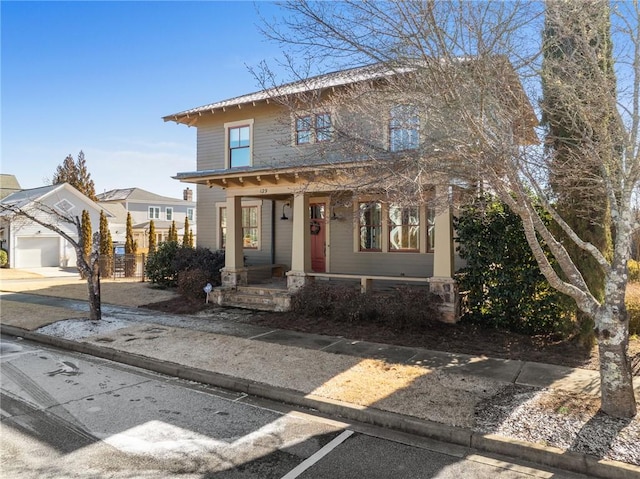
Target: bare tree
467 73
52 219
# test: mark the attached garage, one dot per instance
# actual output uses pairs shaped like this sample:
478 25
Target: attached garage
36 252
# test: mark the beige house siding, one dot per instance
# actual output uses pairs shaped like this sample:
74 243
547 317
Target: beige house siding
207 216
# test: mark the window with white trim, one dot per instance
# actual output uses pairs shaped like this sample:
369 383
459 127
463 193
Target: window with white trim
250 227
190 214
404 228
239 143
168 213
404 128
154 213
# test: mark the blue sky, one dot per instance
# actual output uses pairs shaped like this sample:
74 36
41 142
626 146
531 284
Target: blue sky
98 77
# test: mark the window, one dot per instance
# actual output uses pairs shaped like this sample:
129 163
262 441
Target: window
190 214
313 128
431 226
168 214
239 141
64 206
249 227
370 219
404 228
303 130
323 127
154 212
404 128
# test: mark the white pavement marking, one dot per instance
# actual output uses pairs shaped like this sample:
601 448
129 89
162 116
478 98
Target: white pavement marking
310 461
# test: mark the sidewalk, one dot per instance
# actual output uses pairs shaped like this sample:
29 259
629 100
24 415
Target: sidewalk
449 397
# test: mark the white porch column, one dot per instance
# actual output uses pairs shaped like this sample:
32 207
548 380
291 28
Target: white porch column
234 273
300 243
442 282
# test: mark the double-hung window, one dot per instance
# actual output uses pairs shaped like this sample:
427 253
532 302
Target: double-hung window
313 128
239 146
370 226
190 214
250 230
404 228
168 214
154 212
404 128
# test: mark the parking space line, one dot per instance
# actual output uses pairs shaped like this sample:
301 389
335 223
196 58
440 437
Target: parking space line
311 460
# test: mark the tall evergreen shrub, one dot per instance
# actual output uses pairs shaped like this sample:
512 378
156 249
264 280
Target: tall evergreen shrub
502 282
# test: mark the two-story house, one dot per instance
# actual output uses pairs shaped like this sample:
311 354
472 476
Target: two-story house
268 202
144 207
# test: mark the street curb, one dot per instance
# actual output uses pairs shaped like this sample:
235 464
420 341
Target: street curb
538 454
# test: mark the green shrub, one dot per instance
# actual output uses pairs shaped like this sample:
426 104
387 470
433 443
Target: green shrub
211 262
401 309
634 271
4 258
170 259
159 268
502 282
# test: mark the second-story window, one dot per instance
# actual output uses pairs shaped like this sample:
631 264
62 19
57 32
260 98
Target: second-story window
239 146
313 128
303 130
168 214
190 214
154 212
404 128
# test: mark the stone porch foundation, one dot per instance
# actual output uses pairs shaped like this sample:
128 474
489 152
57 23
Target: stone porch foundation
447 290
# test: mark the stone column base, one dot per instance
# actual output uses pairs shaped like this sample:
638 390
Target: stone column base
230 278
447 290
297 280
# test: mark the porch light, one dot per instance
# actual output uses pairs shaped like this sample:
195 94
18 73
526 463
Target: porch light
284 217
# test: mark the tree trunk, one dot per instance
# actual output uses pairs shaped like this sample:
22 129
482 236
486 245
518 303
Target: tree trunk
93 280
616 379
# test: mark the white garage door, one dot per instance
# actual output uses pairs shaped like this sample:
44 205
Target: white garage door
37 252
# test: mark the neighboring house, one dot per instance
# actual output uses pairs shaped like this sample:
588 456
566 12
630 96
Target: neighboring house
145 206
8 184
267 210
31 245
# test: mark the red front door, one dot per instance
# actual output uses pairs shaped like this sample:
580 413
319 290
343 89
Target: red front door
318 237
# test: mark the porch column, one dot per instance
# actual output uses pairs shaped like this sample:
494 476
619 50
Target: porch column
442 282
234 273
300 244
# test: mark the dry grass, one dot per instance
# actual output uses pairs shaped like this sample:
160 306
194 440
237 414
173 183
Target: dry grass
633 306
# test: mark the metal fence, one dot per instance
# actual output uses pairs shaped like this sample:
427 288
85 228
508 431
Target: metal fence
123 266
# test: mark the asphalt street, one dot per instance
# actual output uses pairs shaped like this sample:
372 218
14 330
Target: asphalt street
76 416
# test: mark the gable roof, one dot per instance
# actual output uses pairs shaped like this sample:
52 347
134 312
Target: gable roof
23 198
118 211
136 195
8 184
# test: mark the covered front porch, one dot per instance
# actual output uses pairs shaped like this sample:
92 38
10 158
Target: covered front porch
315 244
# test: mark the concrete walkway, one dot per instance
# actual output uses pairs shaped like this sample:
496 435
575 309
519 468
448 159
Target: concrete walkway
430 393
